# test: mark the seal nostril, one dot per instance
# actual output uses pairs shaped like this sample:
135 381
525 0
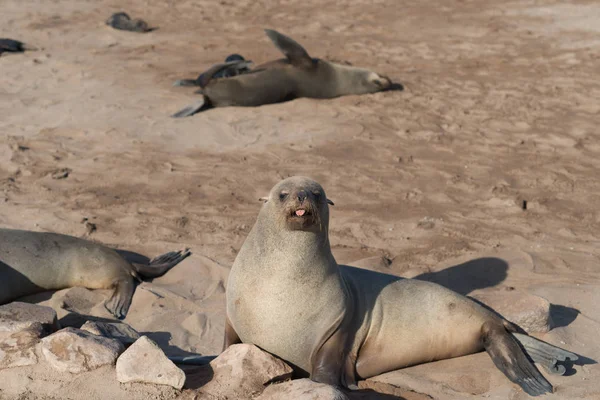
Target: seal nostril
301 196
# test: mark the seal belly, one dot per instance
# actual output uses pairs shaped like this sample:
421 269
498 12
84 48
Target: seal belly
413 322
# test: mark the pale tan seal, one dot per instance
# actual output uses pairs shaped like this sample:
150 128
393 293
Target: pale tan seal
287 295
298 75
33 262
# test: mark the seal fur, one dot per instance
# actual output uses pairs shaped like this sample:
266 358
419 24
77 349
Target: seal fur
33 262
337 324
297 75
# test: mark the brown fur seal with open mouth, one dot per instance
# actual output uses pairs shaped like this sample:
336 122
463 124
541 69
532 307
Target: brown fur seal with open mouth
287 295
33 262
298 75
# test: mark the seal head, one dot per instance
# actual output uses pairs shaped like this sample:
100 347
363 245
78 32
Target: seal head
300 204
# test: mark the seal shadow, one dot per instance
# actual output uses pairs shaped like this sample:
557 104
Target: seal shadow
11 279
162 339
469 276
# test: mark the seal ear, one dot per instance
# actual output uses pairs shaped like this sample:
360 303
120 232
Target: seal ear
330 202
264 199
290 48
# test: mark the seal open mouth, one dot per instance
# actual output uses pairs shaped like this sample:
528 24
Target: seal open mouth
301 212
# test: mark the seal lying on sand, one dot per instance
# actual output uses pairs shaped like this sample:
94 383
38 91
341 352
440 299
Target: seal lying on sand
33 262
123 21
287 295
235 69
13 46
298 75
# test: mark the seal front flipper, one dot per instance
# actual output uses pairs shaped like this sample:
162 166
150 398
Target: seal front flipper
508 356
159 265
120 301
546 354
294 52
192 108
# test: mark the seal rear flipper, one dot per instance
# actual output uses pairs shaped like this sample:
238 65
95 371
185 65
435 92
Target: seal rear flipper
546 354
294 52
509 358
192 109
216 71
159 265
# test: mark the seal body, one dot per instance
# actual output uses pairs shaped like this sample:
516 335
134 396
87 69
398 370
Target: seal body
287 295
33 262
297 75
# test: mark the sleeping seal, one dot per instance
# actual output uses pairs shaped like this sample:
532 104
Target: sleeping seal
287 295
298 75
13 46
33 262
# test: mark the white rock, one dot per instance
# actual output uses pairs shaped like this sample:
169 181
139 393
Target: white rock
73 350
113 330
242 371
145 362
301 389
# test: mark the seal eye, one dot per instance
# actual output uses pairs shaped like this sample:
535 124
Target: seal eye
317 195
283 196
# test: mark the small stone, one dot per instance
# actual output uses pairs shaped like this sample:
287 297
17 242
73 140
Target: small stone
145 362
304 389
73 350
112 330
243 371
61 173
530 312
18 316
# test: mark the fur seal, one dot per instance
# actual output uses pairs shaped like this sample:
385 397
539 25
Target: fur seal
123 21
33 262
234 70
11 45
336 323
297 75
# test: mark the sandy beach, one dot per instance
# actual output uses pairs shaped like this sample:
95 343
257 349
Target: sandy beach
482 173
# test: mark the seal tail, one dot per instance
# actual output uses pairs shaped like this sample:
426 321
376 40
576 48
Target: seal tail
509 358
545 354
191 109
159 266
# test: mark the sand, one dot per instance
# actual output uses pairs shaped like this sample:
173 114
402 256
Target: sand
501 107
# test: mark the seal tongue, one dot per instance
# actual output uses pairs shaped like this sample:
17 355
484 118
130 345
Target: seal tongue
300 212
